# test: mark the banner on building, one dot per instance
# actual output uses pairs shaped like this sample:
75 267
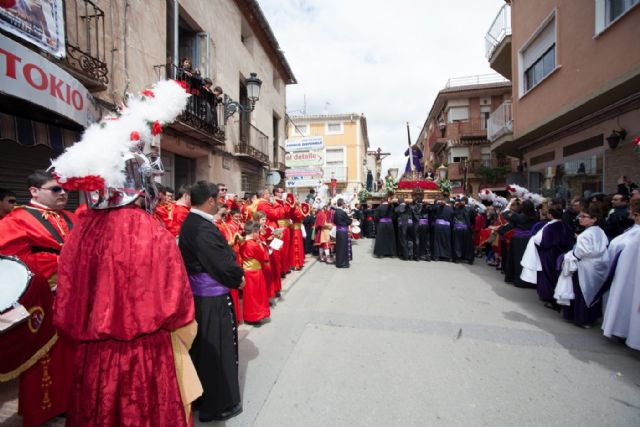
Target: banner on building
300 173
304 144
39 22
304 182
304 158
29 76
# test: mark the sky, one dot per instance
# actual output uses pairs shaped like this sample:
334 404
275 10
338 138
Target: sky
384 59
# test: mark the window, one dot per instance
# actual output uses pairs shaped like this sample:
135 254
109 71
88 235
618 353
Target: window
538 56
485 112
299 130
335 164
609 11
457 114
458 154
334 128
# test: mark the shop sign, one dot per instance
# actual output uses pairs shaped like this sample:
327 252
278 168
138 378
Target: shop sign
304 182
304 158
29 76
304 144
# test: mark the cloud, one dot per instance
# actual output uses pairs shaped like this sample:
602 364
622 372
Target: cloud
387 60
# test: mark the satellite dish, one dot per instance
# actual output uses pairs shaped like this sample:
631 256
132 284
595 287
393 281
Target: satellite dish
273 177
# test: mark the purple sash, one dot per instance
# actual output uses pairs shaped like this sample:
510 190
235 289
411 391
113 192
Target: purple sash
203 285
423 221
385 220
409 221
460 226
342 228
521 233
442 222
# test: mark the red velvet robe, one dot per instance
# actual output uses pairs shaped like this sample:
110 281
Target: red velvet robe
180 212
164 213
296 249
284 222
254 294
274 214
45 387
275 283
235 296
122 289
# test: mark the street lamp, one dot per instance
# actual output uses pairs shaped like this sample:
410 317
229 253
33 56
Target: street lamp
253 84
442 172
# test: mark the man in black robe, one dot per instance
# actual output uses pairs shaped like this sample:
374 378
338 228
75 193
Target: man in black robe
442 217
369 226
422 242
385 244
308 222
406 232
342 221
212 269
463 220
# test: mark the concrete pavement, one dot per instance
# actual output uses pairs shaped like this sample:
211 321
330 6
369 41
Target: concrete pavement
388 342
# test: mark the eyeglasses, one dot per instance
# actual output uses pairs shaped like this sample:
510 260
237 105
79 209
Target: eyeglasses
223 189
585 216
54 189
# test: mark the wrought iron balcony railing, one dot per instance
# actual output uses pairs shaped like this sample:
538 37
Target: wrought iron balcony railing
255 146
85 43
203 118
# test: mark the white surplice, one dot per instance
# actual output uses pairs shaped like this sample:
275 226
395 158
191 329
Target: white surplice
622 307
530 261
591 259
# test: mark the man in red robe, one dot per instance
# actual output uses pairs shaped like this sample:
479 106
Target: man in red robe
164 209
180 209
275 212
232 239
284 222
255 297
296 249
36 233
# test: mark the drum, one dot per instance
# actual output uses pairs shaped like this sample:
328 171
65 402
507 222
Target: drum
355 232
355 223
14 281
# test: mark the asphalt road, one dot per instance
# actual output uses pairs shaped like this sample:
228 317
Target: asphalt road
394 343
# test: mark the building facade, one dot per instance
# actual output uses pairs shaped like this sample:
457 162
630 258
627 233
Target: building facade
112 47
575 109
455 133
346 142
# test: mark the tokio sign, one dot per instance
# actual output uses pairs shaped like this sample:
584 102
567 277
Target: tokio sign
27 75
304 158
304 144
303 173
303 182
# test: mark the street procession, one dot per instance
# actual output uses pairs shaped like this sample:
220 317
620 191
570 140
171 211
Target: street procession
191 234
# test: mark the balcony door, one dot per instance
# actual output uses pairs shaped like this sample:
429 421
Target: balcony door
245 117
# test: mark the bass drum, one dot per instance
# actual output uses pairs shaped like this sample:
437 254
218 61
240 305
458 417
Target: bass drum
14 281
355 232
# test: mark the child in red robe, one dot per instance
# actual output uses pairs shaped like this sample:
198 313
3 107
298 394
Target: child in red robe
255 298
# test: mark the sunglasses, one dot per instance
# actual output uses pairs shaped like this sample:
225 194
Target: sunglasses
12 201
223 189
54 189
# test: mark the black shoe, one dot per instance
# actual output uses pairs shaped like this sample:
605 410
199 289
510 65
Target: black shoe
278 294
225 415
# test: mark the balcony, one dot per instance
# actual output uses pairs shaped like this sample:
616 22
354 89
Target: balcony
278 162
203 118
480 79
254 147
85 57
493 169
500 122
337 172
498 42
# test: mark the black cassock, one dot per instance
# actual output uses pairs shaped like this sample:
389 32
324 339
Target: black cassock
522 233
406 232
422 230
463 220
342 222
369 225
442 218
308 222
385 244
215 349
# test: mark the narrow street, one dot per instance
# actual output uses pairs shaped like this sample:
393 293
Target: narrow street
388 342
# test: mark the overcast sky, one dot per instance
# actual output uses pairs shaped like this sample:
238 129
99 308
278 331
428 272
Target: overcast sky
386 59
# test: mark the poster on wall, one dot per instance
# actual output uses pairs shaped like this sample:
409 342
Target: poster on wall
40 22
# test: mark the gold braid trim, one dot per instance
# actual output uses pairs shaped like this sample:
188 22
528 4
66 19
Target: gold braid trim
29 363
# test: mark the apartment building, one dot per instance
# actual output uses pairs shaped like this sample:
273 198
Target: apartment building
575 108
346 141
455 133
94 52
